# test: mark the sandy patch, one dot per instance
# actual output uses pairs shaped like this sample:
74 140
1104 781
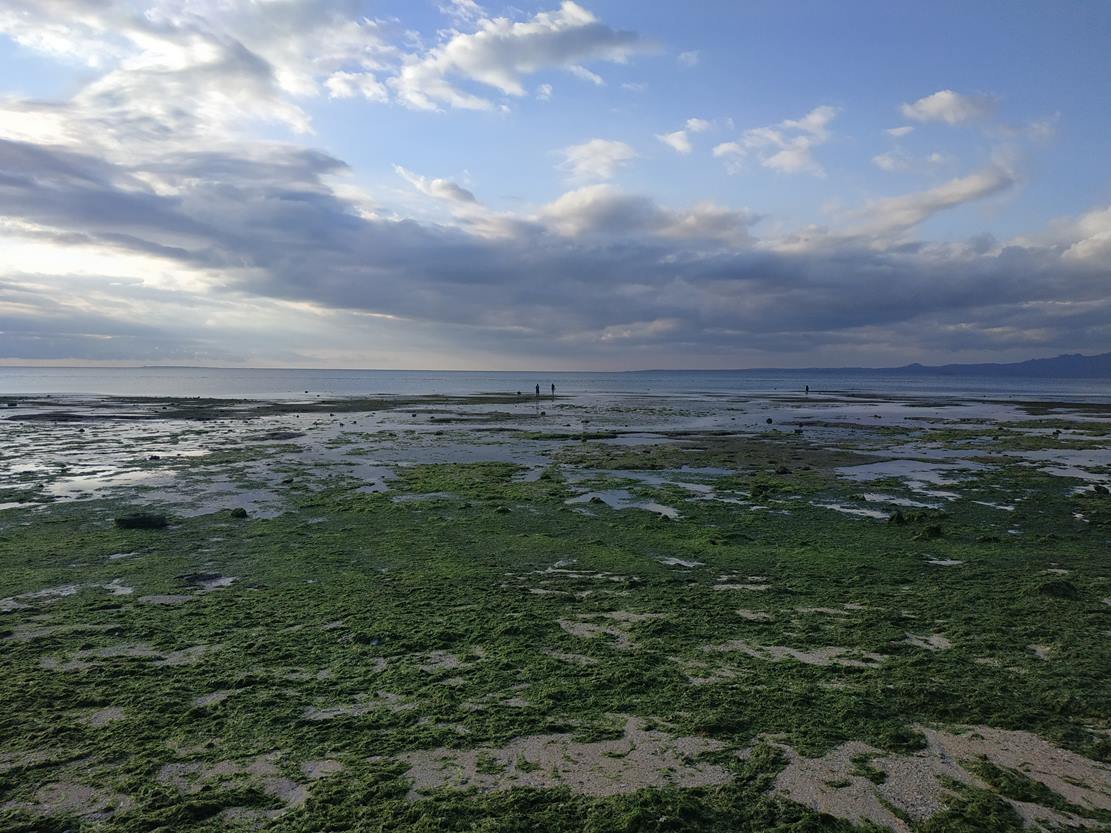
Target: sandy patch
642 758
703 673
944 562
87 657
18 760
210 583
828 655
192 776
574 659
117 588
98 718
588 630
213 698
1041 651
47 595
931 642
915 785
754 615
580 627
679 562
315 770
63 798
382 700
441 661
185 656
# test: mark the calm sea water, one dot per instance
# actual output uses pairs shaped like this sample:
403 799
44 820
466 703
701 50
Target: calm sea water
289 384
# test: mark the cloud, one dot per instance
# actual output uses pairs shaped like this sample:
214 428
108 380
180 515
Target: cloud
463 10
897 161
679 140
949 107
897 214
605 210
544 92
350 84
786 147
596 159
501 53
689 59
440 189
266 244
891 162
165 211
899 132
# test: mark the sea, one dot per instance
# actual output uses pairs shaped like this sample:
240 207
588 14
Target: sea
292 384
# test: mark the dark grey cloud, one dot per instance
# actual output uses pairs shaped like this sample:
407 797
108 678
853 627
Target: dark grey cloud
591 275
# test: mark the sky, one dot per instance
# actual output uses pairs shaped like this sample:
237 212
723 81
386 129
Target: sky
598 184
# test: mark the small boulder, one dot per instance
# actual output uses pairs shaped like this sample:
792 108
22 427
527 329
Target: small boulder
142 520
929 533
239 512
1059 589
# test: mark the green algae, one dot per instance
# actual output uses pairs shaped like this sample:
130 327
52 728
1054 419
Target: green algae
346 595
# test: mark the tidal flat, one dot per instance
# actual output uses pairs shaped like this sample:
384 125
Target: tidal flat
582 613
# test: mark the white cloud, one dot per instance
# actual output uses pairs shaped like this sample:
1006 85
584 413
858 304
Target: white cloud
1091 236
899 132
679 140
891 162
949 107
689 59
786 147
584 74
596 158
502 52
350 84
441 189
605 210
544 92
894 215
463 10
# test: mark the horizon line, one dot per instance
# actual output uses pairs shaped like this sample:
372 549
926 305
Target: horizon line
812 368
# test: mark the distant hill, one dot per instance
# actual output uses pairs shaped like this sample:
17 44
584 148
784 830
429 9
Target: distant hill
1067 366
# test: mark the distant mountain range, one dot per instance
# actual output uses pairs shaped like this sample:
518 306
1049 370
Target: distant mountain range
1067 366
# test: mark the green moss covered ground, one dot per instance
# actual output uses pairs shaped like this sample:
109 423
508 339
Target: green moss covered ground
435 621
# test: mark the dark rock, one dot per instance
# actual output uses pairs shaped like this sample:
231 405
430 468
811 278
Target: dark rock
239 512
929 533
1059 589
142 520
782 470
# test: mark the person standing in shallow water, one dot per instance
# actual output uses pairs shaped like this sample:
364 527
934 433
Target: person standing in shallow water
553 390
537 390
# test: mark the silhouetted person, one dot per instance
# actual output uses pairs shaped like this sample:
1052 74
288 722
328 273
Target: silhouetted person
537 390
808 390
553 390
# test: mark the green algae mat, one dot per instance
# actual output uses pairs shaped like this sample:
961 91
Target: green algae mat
483 614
